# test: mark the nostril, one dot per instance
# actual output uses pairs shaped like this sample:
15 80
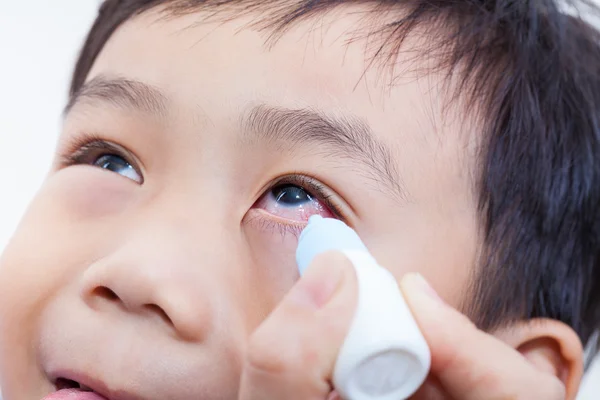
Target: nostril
160 312
105 293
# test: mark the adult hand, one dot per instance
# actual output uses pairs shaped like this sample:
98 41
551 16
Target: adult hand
292 354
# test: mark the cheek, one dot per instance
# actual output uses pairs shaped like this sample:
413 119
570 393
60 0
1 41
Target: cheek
87 192
274 261
441 248
58 236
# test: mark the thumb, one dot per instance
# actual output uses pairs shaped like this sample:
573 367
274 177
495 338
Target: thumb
293 353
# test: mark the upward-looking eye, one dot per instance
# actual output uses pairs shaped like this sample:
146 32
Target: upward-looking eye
295 201
106 156
118 165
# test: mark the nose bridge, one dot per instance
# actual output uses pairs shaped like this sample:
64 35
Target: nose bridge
166 270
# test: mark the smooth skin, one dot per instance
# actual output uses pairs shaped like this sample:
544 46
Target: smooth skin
167 271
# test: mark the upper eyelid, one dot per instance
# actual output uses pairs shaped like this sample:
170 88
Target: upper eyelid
101 148
90 153
76 149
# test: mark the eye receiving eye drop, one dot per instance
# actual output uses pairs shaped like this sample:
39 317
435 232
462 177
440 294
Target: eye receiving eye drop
384 355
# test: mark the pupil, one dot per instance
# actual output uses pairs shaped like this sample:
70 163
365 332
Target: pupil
112 163
290 195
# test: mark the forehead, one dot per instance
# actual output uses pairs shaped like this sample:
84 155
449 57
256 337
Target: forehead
331 40
333 60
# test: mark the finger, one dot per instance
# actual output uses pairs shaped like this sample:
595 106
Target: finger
431 390
292 354
471 364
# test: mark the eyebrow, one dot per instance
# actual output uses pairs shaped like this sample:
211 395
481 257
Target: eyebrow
122 93
340 137
346 137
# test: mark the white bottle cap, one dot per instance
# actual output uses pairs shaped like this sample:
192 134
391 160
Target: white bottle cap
384 355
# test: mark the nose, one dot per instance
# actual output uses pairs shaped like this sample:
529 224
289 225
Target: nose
158 280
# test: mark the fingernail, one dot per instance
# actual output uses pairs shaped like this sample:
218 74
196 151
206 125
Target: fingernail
426 288
319 284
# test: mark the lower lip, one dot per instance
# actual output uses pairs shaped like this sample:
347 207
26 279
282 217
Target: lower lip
73 394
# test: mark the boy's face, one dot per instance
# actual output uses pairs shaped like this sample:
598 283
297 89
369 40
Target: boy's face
153 288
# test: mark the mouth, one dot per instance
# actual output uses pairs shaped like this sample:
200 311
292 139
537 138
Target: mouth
70 389
64 383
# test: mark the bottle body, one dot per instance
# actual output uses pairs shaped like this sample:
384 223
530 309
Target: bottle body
384 355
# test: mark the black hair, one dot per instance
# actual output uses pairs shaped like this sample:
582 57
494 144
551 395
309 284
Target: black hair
531 70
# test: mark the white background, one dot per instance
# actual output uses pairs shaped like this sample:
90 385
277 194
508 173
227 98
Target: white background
39 40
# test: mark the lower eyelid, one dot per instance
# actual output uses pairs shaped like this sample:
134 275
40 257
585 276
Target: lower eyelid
265 221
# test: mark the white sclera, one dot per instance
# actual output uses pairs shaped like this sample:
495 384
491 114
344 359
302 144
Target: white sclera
384 355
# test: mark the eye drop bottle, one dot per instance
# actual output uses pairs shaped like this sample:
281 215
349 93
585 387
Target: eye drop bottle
384 355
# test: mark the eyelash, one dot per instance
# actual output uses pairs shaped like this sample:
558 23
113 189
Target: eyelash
88 148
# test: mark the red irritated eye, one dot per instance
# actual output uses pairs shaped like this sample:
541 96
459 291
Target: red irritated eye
292 202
